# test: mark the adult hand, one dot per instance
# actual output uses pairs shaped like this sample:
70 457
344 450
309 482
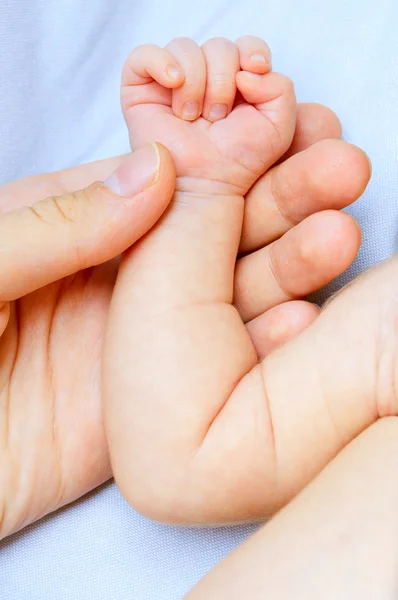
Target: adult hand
336 539
64 425
54 303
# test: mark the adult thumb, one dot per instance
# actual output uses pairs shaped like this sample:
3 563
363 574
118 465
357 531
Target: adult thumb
61 235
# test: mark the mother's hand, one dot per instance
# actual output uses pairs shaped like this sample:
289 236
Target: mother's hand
53 307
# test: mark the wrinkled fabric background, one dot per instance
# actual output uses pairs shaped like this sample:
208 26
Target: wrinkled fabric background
60 63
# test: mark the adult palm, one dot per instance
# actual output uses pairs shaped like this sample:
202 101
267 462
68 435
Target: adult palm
58 274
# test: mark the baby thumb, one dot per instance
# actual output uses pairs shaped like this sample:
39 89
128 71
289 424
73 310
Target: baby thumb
61 235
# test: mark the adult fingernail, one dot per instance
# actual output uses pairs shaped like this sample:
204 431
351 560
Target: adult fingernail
137 173
217 112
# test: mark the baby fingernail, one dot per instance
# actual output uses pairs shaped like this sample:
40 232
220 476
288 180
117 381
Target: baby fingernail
257 57
217 112
252 75
137 173
173 72
190 111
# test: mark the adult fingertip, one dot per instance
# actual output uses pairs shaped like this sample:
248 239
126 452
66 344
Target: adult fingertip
356 234
336 172
363 164
351 166
335 240
280 324
317 122
167 168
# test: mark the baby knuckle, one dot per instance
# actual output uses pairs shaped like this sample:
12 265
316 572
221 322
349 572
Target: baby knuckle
243 38
181 40
139 55
182 45
216 42
144 49
250 38
246 43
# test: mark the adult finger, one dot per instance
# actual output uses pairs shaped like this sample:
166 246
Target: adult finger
314 122
331 174
28 190
61 235
280 324
302 261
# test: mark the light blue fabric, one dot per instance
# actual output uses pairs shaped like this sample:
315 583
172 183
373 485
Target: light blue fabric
60 62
